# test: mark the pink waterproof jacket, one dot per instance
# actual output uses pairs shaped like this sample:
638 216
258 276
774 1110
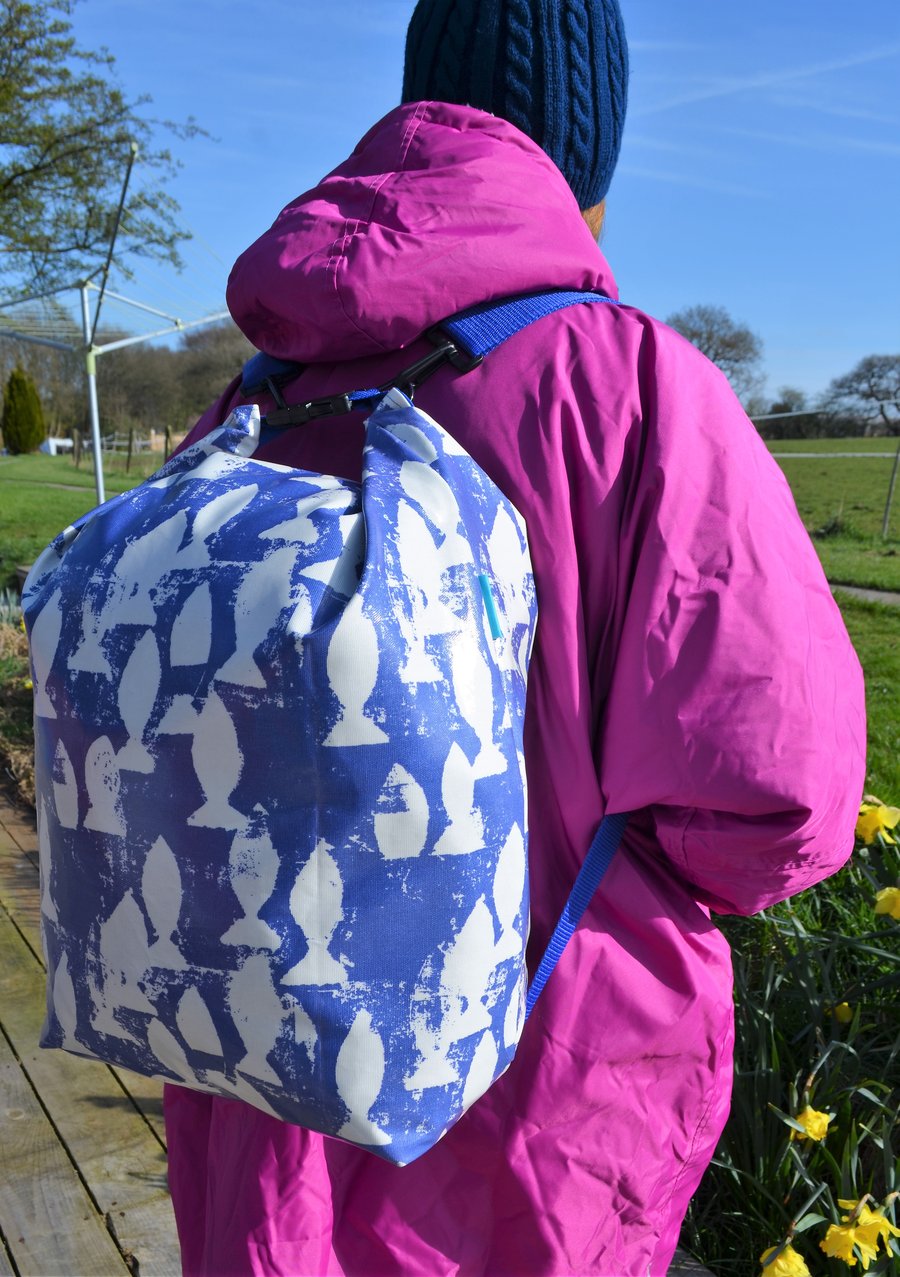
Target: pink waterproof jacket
690 666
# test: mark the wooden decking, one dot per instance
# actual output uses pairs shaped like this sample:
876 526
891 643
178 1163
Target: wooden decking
82 1146
82 1149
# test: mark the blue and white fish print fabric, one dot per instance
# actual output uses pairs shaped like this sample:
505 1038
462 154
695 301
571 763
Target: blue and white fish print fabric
281 790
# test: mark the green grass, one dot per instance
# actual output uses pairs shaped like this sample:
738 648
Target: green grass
841 501
874 631
884 443
41 495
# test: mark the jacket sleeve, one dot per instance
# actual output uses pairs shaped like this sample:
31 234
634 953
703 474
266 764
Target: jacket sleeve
735 714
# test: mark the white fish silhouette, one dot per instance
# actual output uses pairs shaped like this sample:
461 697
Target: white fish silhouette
481 1070
434 1066
433 494
473 690
359 1073
352 668
511 567
428 615
514 1019
509 891
264 591
316 904
465 829
180 719
301 530
218 763
103 782
305 1034
466 974
139 567
124 956
162 893
65 788
415 439
168 1051
213 516
191 636
195 1024
258 1014
89 656
137 695
48 907
253 866
64 1005
43 642
342 574
401 833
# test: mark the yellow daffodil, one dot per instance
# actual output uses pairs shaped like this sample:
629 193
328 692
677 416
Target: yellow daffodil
870 1227
863 1228
875 818
813 1122
888 901
788 1264
838 1244
843 1012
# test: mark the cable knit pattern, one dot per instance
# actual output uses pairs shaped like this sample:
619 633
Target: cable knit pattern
585 139
519 65
557 69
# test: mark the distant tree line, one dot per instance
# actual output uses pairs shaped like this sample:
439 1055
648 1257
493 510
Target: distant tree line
144 387
864 401
139 387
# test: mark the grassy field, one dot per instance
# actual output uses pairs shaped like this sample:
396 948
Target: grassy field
833 445
41 495
841 500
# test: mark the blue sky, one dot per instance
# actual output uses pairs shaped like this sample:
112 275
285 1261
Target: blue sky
760 168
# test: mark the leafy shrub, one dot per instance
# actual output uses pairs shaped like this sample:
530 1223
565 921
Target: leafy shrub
23 417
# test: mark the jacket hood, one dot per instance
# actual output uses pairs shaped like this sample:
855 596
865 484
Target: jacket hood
439 207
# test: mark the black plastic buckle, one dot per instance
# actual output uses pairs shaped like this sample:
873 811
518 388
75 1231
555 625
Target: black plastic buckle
461 360
299 413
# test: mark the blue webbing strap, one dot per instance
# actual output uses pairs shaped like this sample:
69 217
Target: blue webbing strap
478 330
483 328
596 862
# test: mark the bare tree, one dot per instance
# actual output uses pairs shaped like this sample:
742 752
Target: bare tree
66 131
869 394
733 347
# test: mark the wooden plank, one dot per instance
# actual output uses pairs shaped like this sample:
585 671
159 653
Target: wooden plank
115 1150
6 1268
51 1225
20 896
20 887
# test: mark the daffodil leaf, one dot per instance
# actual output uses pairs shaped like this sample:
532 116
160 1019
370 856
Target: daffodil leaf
789 1121
808 1221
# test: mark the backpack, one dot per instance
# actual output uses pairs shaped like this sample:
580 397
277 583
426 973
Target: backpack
281 791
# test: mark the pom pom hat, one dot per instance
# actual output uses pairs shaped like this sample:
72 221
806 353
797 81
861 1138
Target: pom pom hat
557 69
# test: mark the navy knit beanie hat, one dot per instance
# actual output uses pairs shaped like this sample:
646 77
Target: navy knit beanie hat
557 69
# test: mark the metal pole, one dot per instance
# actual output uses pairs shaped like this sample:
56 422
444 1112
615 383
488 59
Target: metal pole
890 496
90 368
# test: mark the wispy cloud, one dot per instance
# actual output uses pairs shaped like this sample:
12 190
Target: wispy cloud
692 180
768 79
838 110
813 141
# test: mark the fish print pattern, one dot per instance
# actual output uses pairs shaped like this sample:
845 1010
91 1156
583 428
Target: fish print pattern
283 825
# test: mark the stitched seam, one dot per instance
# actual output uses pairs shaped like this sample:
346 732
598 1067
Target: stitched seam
700 1129
352 227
